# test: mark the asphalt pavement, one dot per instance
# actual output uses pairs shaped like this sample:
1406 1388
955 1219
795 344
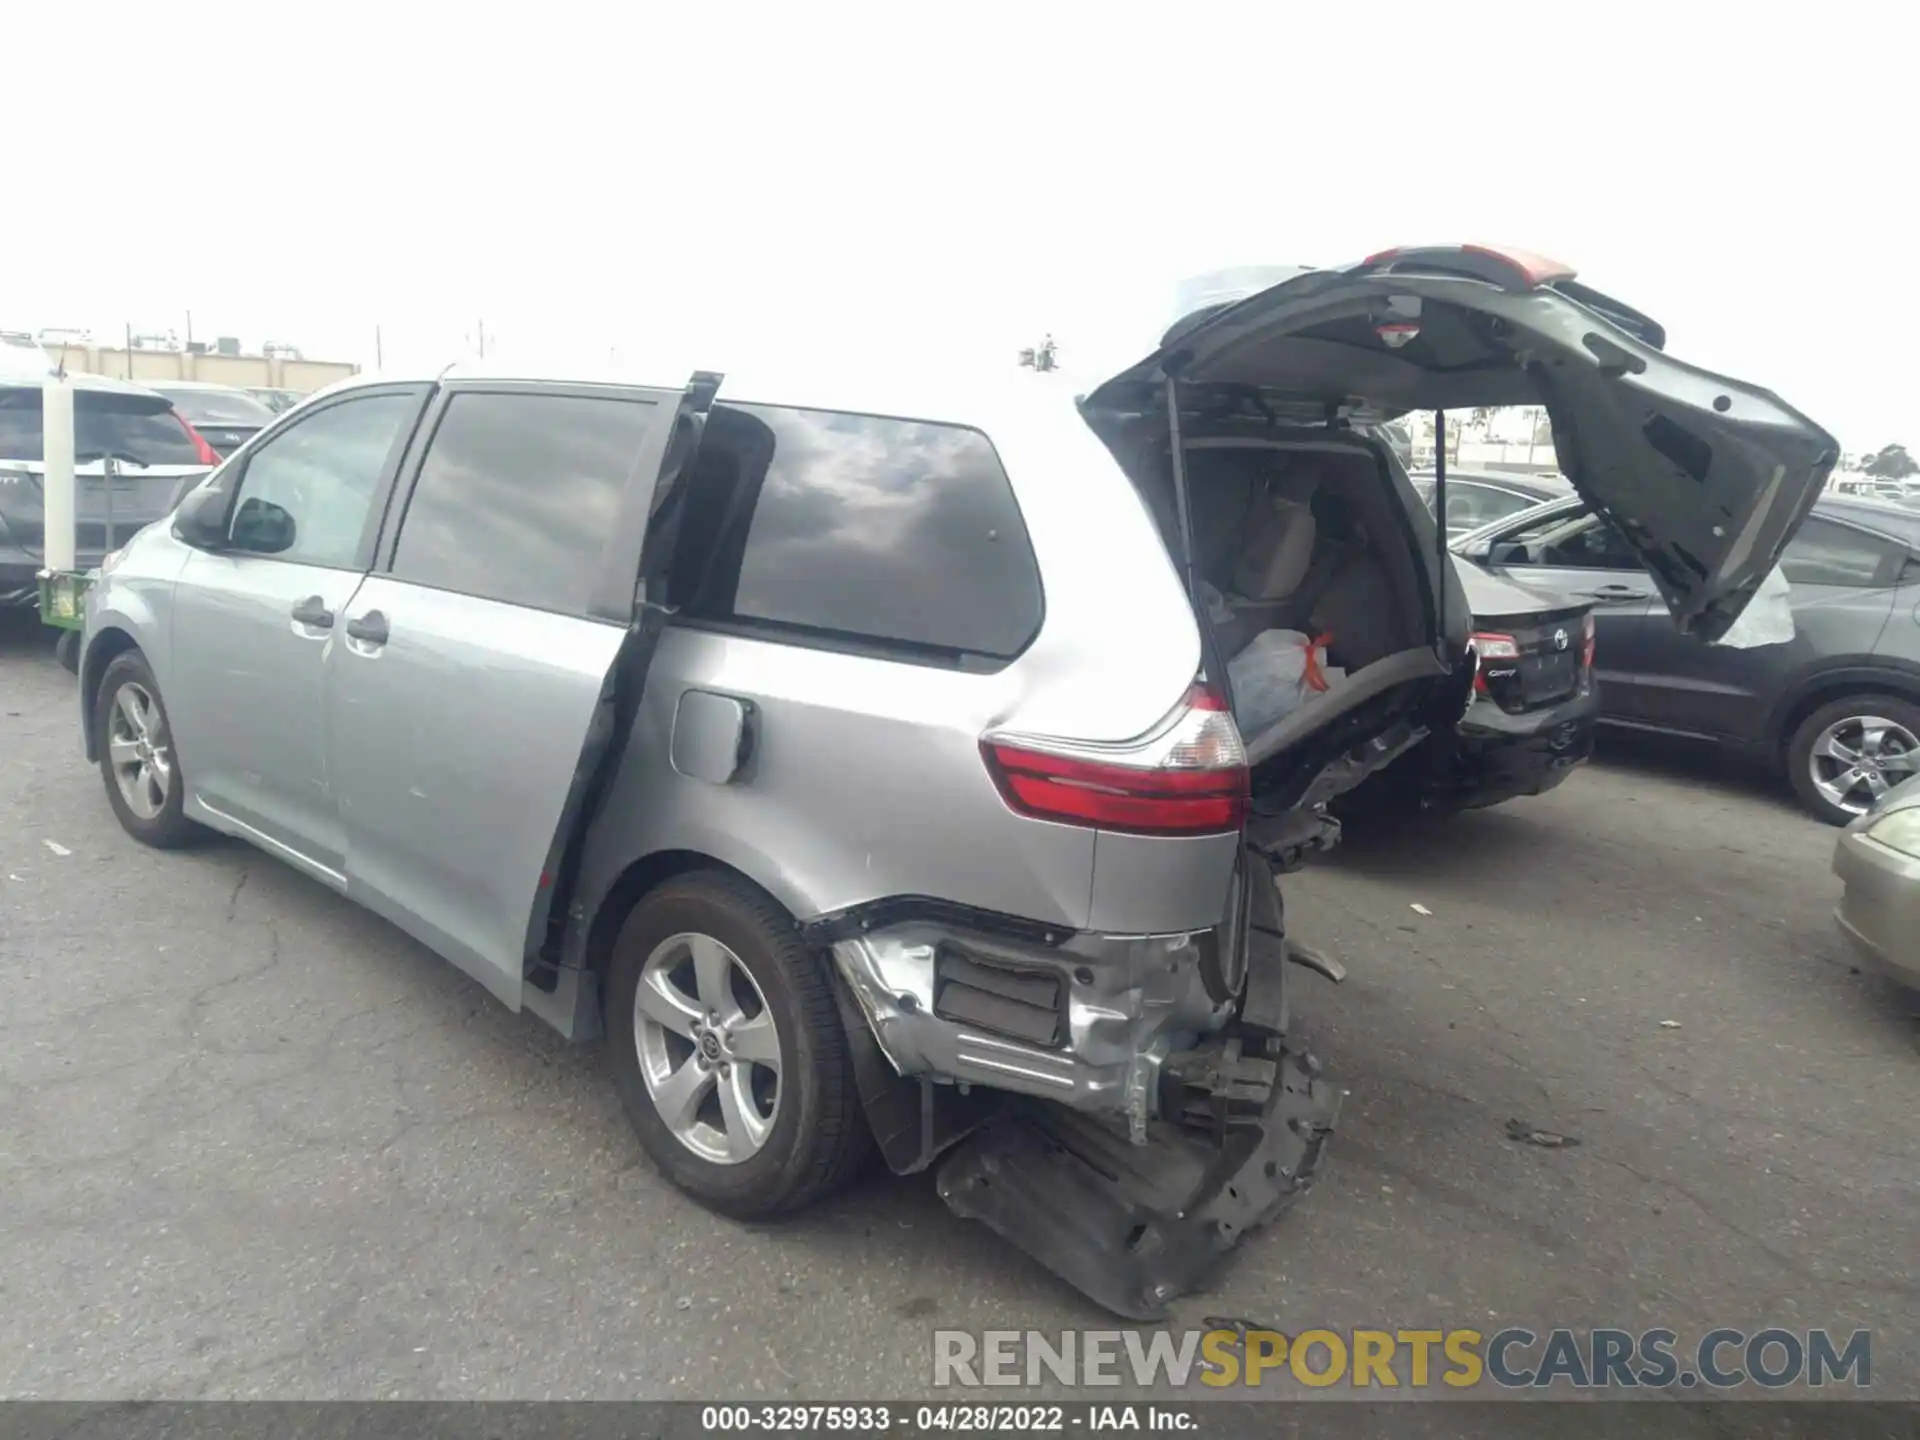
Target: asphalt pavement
256 1143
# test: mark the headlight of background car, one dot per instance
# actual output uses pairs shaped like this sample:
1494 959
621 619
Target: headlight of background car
1898 830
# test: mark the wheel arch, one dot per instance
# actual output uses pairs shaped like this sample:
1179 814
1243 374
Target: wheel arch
107 644
1878 677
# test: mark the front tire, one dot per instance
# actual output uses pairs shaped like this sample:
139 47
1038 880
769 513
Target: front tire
727 1049
138 762
1851 751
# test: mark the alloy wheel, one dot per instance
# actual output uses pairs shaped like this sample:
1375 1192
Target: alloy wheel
708 1049
142 760
1858 758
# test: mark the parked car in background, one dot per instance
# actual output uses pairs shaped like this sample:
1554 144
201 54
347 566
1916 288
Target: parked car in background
227 416
21 356
1480 497
274 398
155 450
1878 862
814 752
1531 718
1838 705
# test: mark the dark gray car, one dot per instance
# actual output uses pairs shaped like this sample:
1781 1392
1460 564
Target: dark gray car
1477 498
1838 705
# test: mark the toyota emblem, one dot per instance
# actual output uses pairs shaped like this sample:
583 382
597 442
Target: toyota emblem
1559 639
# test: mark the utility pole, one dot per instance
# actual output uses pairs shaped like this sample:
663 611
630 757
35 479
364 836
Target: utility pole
481 331
378 362
129 349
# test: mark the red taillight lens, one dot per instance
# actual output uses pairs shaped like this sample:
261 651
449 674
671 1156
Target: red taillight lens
1488 646
1587 639
208 455
1535 270
1189 777
1498 263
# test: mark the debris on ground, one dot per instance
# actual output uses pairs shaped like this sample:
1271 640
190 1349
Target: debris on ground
56 847
1669 1024
1420 909
1239 1325
1546 1139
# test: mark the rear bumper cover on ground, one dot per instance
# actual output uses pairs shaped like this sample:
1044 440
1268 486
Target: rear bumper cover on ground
1180 1121
1880 910
1133 1227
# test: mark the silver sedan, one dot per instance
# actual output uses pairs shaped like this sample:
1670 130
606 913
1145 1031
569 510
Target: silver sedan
1878 860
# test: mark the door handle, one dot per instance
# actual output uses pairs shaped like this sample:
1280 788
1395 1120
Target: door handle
1617 592
313 611
370 627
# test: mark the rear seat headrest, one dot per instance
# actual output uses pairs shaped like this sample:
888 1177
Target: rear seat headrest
1277 551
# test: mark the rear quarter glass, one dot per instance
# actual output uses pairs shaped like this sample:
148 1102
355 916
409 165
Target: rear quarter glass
898 533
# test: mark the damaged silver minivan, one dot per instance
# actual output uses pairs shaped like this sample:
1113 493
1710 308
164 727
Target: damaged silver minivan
871 765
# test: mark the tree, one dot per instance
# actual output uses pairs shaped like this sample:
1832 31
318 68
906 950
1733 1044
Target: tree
1891 462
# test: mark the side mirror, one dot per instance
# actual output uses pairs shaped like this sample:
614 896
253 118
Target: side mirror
201 520
1506 552
261 527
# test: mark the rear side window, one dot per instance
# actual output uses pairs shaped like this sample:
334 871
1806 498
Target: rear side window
220 407
517 494
1822 553
99 428
1575 540
1469 506
898 533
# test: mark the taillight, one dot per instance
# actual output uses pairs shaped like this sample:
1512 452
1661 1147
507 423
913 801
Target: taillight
1488 646
1187 777
208 455
1498 264
1587 639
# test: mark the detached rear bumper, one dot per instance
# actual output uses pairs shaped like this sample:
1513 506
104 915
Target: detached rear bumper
1133 1227
1180 1120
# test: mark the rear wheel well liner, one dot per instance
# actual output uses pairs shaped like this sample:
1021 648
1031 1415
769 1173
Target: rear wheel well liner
109 643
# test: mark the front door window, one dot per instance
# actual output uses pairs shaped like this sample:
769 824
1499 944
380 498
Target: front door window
306 495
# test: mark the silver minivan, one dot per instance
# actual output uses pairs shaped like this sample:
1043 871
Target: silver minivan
878 763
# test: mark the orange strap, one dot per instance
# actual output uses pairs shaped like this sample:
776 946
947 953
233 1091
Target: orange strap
1316 647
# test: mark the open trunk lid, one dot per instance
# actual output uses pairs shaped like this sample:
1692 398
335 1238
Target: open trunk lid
1708 478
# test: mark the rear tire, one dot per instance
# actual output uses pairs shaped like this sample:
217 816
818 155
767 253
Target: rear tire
1871 736
771 1121
138 762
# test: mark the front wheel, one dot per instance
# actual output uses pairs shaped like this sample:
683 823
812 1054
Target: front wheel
1851 751
727 1049
137 757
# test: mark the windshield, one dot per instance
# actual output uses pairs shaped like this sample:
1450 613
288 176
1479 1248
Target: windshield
146 437
218 407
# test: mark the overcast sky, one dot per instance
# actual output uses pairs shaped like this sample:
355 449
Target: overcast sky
951 181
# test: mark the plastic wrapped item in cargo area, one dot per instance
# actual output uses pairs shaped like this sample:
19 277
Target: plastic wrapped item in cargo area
1277 673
